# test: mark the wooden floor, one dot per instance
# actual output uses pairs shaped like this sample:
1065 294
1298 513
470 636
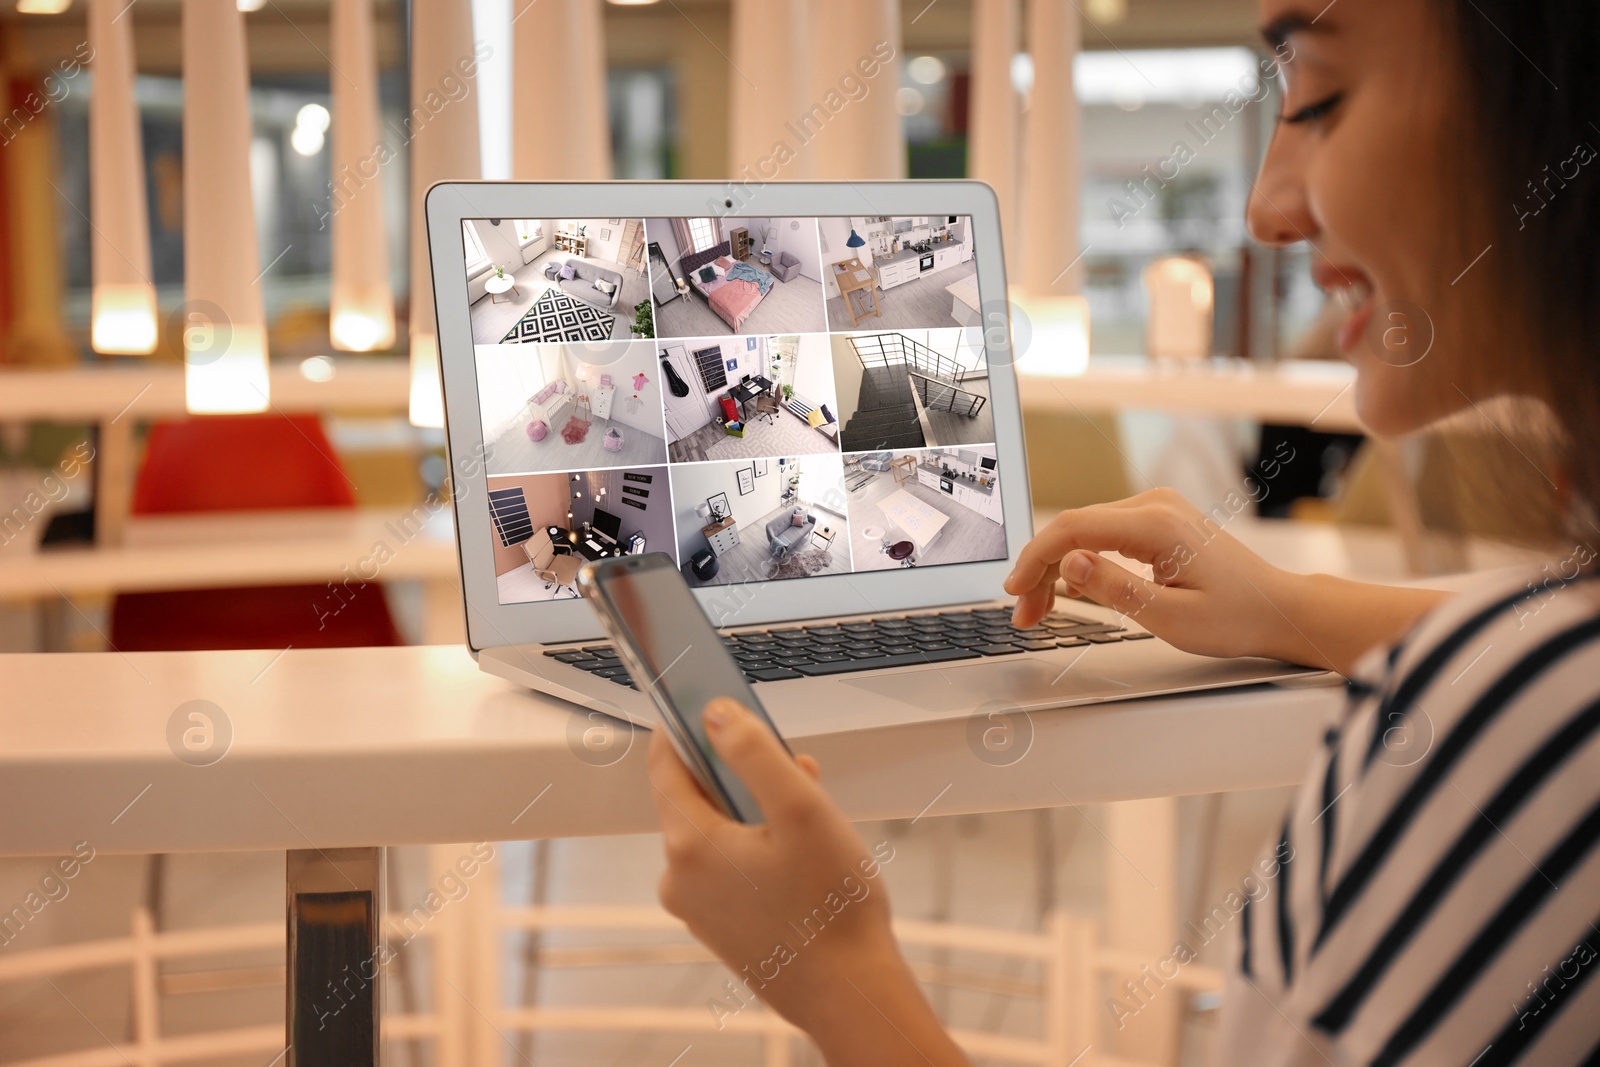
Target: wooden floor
492 318
953 429
968 536
789 307
785 435
915 305
513 453
751 560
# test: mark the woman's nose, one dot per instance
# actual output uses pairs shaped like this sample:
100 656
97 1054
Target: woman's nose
1278 212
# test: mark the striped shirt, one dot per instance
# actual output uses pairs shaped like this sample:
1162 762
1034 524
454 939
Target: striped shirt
1437 898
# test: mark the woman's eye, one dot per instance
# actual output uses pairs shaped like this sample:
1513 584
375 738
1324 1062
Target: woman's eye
1314 112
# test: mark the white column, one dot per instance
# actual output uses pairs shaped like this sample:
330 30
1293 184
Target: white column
770 46
224 324
361 310
1141 876
851 124
560 126
992 143
1051 267
123 314
1050 180
443 126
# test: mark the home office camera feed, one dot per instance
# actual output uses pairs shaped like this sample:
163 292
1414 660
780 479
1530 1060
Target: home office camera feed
759 398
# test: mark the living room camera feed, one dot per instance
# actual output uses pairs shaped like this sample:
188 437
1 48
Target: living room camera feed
535 281
759 520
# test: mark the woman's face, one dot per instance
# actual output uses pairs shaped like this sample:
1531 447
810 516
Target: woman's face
1363 167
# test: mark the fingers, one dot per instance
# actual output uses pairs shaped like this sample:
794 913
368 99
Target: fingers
1146 532
810 766
754 753
1115 587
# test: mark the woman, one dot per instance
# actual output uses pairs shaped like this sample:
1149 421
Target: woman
1437 156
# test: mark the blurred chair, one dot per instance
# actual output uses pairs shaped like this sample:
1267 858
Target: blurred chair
559 569
1069 963
240 464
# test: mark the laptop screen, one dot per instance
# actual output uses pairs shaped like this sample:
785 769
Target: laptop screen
765 399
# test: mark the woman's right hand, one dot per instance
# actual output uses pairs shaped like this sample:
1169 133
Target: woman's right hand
1209 593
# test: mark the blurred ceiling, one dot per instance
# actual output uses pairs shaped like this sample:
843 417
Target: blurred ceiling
290 37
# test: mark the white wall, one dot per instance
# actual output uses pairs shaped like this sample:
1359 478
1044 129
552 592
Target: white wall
747 361
610 250
660 231
654 520
693 483
507 376
500 243
637 357
822 480
801 242
834 233
846 377
813 371
690 412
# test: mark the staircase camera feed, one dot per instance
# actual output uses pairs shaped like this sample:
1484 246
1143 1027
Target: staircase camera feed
764 399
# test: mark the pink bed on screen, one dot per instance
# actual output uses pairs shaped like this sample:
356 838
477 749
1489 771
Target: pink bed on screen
733 301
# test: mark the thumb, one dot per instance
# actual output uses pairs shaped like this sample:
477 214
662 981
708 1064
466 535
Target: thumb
754 753
1090 575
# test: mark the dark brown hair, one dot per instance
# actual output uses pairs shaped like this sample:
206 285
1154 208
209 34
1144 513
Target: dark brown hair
1532 87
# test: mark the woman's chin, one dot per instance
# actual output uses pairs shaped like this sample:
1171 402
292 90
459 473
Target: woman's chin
1386 409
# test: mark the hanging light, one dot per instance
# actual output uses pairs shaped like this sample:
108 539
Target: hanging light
122 318
361 308
442 149
223 322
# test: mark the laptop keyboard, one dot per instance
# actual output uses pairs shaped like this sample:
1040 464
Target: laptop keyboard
790 652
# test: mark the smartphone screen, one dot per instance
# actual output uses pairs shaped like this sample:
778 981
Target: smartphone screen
685 661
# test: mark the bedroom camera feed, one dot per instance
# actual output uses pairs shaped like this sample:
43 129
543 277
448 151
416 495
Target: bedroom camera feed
765 399
712 276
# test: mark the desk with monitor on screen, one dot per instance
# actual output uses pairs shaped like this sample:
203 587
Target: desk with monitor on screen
603 538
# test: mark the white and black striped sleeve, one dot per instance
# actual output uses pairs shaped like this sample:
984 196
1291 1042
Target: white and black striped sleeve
1438 900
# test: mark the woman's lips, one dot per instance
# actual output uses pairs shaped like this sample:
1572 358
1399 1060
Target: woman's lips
1354 326
1356 294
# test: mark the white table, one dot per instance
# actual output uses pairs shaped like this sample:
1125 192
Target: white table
358 747
501 283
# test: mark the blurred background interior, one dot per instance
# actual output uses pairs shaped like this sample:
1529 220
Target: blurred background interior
1160 347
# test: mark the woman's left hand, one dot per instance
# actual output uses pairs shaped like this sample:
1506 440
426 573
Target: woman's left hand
791 905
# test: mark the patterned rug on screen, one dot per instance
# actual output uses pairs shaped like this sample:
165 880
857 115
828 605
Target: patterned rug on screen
555 316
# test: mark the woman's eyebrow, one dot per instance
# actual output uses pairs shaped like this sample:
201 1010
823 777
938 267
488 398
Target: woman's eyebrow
1279 30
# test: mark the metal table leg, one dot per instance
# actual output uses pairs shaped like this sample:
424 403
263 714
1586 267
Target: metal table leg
334 905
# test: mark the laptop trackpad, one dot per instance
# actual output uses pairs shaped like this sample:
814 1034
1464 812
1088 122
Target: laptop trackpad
1022 682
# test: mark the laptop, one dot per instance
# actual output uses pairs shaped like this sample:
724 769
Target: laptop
805 394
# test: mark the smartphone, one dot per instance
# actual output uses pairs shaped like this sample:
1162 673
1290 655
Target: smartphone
674 654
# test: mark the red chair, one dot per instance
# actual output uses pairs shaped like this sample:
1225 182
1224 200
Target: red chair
246 463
